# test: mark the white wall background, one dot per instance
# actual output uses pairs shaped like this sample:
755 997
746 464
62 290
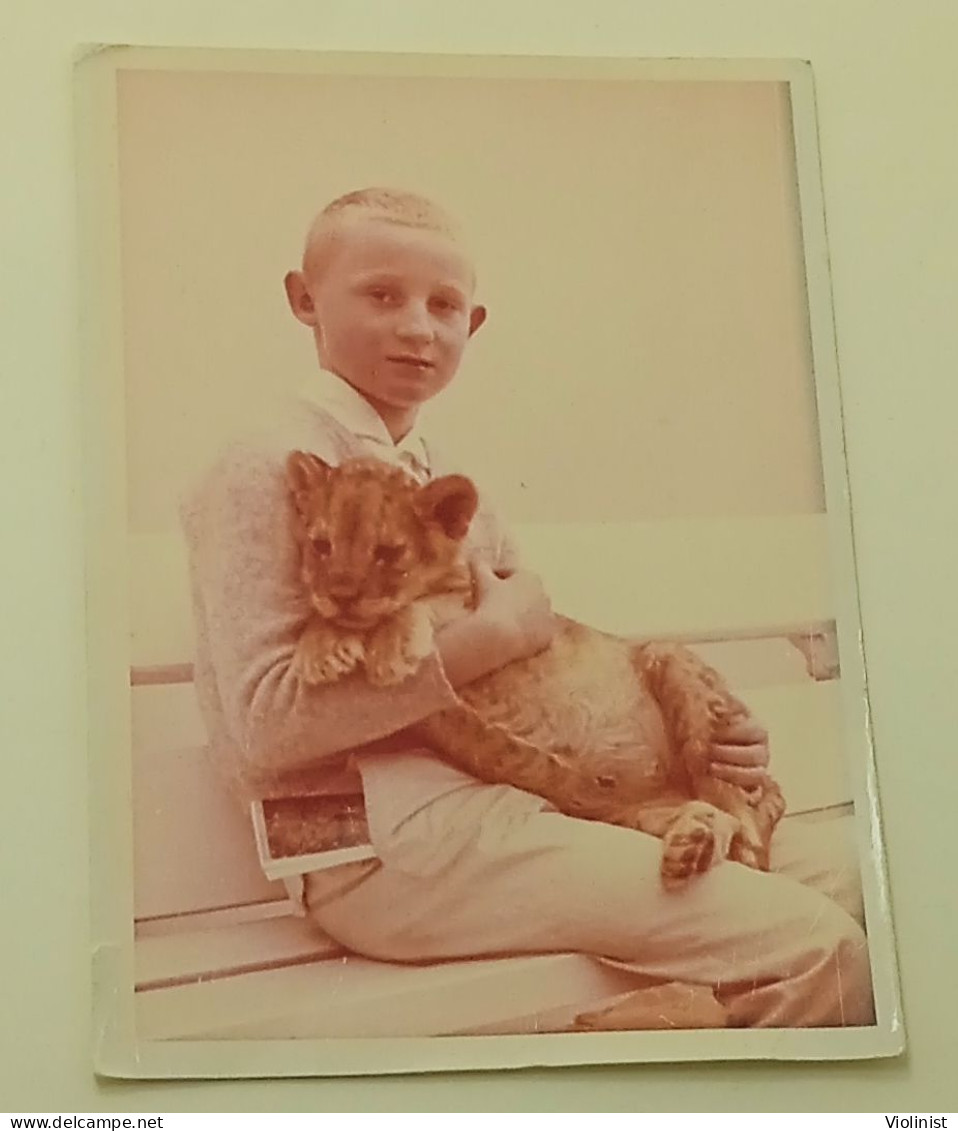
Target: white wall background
638 248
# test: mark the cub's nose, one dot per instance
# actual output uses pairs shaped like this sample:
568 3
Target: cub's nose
349 612
341 586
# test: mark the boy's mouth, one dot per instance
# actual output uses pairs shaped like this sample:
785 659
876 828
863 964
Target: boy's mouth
411 360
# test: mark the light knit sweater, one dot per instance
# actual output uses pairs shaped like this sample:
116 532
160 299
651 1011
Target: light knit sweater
269 734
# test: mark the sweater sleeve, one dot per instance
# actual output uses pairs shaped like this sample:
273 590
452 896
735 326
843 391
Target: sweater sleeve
251 612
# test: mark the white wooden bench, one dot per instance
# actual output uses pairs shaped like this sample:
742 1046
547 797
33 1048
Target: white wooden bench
219 953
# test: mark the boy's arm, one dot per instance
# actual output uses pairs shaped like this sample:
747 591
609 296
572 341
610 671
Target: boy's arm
252 612
513 619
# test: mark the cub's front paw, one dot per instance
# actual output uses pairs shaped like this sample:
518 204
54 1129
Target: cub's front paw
699 838
323 656
398 650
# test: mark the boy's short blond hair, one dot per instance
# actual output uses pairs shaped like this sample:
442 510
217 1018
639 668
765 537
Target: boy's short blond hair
392 206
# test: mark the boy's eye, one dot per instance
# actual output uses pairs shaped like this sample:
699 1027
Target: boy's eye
382 294
387 555
322 546
445 305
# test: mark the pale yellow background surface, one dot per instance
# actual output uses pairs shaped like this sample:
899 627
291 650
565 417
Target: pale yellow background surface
638 249
646 365
887 92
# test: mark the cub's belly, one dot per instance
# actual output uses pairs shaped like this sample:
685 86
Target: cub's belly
582 697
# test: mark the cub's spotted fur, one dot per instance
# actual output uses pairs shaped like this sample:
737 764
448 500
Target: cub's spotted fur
600 727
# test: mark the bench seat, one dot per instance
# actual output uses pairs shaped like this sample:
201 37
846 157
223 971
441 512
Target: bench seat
293 996
219 953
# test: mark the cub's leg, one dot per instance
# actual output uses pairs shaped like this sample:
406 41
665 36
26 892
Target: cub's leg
698 838
324 654
696 703
756 817
396 648
752 849
493 754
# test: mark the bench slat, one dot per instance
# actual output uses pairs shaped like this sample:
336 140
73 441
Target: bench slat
175 958
356 997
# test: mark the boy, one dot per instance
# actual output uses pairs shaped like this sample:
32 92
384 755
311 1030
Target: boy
465 869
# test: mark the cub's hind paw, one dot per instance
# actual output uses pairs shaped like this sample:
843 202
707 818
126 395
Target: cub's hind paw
772 805
751 844
699 838
749 854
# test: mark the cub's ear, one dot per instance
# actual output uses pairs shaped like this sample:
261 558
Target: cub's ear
451 502
304 473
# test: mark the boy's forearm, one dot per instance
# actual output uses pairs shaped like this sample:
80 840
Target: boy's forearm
472 647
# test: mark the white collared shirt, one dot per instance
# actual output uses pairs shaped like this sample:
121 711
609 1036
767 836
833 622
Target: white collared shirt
350 408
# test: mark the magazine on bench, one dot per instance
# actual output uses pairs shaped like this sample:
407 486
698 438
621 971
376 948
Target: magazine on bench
295 835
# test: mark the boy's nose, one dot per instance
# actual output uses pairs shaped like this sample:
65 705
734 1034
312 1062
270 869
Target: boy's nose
415 325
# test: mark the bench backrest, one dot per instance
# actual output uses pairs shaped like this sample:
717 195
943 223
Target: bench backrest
193 845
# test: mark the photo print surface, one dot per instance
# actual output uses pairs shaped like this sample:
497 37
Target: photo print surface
542 737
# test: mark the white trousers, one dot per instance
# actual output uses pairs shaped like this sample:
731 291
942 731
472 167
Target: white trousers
780 949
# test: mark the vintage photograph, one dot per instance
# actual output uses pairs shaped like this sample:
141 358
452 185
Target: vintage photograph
487 661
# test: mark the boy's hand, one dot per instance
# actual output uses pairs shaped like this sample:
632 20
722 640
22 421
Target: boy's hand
519 606
740 756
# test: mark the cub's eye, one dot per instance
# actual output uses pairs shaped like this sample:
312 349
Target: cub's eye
387 555
322 546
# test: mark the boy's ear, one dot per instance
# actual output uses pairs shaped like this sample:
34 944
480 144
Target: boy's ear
304 473
451 502
477 317
299 299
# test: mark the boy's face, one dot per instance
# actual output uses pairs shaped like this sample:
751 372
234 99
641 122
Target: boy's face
391 311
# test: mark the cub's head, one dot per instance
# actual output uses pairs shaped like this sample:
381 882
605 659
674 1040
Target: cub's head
371 539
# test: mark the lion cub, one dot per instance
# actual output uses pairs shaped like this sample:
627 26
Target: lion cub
601 728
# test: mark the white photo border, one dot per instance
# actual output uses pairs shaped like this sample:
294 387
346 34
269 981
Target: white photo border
117 1053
